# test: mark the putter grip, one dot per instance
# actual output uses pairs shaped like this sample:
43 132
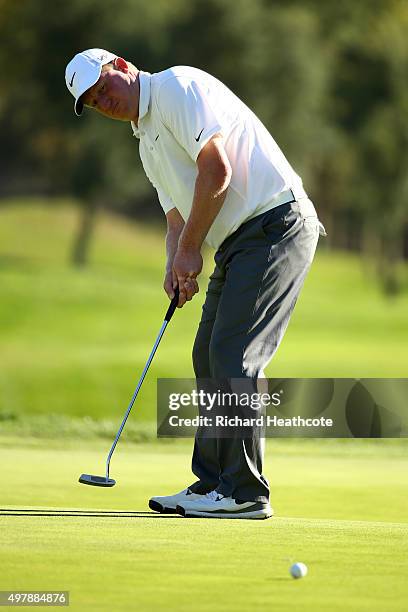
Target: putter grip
173 305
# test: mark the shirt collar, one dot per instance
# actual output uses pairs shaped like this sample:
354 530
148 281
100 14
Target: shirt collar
144 100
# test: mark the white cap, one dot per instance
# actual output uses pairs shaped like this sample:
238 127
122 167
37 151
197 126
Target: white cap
83 71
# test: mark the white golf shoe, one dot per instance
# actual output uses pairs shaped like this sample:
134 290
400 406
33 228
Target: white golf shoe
167 504
215 505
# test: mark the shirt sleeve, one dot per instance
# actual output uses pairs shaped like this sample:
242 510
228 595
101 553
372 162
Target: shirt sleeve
186 111
165 200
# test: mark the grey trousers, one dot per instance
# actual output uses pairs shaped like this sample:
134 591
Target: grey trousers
259 272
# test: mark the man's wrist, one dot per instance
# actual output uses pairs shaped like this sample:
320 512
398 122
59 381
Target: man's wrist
189 249
189 243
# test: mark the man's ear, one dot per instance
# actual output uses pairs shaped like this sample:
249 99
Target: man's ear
121 65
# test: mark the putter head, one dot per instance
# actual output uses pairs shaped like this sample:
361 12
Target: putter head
96 481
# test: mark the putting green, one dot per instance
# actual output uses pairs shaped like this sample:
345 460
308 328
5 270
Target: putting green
340 508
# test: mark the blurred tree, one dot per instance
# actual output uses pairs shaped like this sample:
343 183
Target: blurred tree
327 78
384 142
362 169
49 150
370 94
272 59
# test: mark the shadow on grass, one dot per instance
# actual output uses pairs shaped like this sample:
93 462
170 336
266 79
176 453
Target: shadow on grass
81 513
10 261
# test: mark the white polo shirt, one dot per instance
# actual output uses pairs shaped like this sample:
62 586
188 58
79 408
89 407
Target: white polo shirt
179 110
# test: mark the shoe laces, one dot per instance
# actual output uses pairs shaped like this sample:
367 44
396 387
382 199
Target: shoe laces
214 496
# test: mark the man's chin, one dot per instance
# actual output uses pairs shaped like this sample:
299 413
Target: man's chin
116 117
122 117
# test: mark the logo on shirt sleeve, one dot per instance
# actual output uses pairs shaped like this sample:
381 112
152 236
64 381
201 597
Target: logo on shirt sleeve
199 136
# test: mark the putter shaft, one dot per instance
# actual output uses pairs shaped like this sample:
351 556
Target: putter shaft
169 314
132 401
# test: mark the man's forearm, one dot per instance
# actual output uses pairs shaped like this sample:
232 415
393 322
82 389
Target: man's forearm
209 196
213 178
172 240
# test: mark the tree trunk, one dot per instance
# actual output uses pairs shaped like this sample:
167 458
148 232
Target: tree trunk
388 265
82 240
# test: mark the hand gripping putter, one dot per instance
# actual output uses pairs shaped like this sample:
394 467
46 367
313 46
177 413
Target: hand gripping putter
105 481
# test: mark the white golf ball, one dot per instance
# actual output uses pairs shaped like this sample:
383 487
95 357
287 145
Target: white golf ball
298 570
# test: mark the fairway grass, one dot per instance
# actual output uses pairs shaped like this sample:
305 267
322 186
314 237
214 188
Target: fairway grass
340 508
74 341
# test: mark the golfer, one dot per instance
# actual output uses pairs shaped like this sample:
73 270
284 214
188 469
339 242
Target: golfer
220 178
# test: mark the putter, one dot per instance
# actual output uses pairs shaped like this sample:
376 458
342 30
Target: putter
105 481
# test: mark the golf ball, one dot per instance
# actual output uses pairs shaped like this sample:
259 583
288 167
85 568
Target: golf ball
298 570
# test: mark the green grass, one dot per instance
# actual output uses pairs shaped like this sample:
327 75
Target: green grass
74 341
340 508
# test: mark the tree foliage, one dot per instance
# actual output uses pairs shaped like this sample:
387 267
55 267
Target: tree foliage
329 79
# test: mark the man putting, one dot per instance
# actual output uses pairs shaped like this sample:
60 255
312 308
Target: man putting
221 178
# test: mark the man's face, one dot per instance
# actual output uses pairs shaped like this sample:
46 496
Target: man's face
114 95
